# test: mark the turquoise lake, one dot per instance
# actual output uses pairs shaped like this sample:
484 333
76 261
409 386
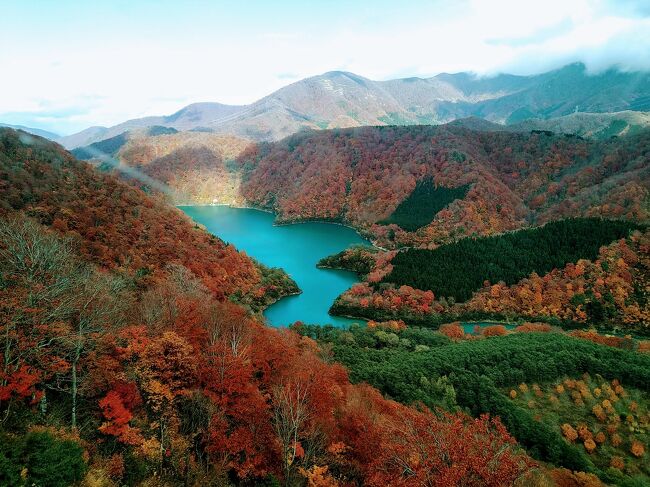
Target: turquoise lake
296 248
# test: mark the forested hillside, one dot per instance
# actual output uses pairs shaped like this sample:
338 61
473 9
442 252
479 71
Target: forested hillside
459 269
125 360
364 176
116 226
196 167
546 372
509 277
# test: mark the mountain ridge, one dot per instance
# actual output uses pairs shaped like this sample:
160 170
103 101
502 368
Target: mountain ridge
340 99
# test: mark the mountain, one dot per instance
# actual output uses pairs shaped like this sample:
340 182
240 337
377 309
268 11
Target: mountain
131 356
196 116
114 224
340 99
85 137
553 94
110 146
425 185
592 125
39 132
194 167
414 185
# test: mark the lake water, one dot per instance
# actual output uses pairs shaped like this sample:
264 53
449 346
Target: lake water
295 248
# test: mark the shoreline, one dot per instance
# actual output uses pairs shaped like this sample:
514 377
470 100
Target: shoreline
281 223
263 309
266 306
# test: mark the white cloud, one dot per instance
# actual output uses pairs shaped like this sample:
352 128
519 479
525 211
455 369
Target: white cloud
71 81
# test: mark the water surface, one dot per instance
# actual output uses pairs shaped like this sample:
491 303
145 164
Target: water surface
295 248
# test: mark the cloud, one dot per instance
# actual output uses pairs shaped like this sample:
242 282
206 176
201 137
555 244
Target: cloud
69 72
632 8
541 35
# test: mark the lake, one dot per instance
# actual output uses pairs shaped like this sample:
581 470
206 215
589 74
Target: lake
296 248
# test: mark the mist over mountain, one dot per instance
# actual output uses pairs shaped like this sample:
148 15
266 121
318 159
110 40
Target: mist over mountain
340 99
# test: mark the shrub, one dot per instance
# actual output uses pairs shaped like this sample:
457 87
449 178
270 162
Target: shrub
452 330
494 331
569 433
9 461
617 462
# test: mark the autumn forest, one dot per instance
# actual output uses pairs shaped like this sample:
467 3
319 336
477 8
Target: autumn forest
496 331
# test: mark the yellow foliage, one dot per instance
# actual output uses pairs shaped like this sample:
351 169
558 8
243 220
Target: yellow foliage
583 432
96 477
150 448
569 433
637 449
617 462
588 480
318 477
599 412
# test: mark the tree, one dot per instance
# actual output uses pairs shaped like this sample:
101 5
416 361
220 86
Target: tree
98 306
50 461
291 413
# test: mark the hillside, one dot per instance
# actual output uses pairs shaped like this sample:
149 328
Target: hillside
125 358
40 132
115 225
195 167
367 177
340 99
593 125
562 397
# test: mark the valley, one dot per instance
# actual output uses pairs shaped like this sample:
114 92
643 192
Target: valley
325 244
494 252
294 248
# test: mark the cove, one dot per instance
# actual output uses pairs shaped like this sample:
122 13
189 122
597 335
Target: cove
296 248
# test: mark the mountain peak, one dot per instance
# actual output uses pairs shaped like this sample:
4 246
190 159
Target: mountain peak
343 99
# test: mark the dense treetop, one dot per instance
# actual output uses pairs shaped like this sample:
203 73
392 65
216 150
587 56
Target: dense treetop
459 269
419 365
363 175
125 361
422 205
117 226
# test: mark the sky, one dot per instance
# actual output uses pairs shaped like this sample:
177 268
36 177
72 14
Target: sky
71 64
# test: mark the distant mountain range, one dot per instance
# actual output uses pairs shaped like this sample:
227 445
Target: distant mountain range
598 126
340 99
592 125
40 132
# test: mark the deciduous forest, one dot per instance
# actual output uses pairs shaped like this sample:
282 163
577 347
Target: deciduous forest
133 345
130 353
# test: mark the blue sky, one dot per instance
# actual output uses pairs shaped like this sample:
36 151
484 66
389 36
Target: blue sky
71 64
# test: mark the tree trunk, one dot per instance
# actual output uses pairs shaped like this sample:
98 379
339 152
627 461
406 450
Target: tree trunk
75 360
